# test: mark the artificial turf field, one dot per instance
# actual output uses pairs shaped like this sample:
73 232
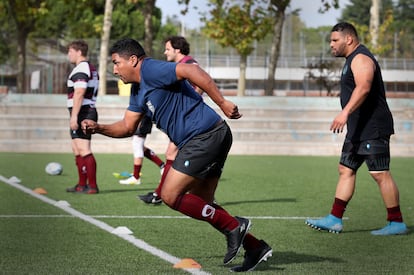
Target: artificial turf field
277 192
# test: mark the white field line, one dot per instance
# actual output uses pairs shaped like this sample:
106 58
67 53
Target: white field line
155 217
137 242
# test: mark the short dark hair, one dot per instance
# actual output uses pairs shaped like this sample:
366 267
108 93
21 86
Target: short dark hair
180 43
127 47
346 28
79 45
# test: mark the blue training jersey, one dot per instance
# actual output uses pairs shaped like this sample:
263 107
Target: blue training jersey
173 105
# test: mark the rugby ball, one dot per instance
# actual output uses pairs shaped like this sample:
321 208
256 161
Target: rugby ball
54 168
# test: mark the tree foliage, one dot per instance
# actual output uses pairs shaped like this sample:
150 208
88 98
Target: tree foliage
231 23
20 17
404 28
357 11
51 21
396 26
238 26
328 4
5 34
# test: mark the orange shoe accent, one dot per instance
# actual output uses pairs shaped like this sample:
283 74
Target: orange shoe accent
40 191
187 263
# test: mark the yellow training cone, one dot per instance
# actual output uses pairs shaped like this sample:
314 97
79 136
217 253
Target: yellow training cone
187 263
40 191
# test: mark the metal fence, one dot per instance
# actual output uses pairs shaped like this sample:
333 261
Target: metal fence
50 66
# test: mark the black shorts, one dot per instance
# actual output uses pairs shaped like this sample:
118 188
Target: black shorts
144 128
86 112
204 155
375 153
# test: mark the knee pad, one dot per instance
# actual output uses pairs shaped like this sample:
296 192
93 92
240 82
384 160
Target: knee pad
138 146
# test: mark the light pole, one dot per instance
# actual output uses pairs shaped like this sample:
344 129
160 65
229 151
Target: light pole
323 35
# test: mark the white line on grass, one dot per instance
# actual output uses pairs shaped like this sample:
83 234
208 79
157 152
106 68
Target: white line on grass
137 242
155 217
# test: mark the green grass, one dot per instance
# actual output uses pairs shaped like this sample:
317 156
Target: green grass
38 238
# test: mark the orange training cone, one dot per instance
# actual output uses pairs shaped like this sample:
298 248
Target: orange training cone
187 263
40 191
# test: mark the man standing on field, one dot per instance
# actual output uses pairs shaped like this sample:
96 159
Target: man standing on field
82 84
369 123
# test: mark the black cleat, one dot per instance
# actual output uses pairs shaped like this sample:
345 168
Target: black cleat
90 191
235 239
77 189
151 198
254 257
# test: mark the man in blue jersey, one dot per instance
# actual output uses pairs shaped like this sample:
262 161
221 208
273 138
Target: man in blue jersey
369 123
177 49
202 137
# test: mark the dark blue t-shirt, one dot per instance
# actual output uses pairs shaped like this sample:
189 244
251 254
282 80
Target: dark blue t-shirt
174 106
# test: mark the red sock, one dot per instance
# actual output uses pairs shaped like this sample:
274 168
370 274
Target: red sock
90 164
394 214
338 208
149 154
250 242
195 207
137 171
81 170
164 174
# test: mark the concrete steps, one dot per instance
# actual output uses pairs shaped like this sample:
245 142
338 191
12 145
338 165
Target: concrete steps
270 125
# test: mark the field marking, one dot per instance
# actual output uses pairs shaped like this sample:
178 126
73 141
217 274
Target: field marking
155 217
137 242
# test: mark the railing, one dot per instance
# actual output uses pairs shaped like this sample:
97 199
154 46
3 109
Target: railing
294 62
53 74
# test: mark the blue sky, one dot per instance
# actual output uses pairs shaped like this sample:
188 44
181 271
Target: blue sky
309 12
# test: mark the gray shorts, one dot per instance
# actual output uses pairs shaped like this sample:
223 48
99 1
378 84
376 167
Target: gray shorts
204 155
375 153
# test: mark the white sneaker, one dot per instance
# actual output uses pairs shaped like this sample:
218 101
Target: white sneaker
131 180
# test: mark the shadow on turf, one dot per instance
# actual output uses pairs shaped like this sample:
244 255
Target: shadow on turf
141 190
257 201
410 230
286 258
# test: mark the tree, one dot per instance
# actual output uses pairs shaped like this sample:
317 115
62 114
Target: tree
278 7
356 12
22 18
403 27
238 26
325 73
6 37
149 32
328 4
55 22
373 30
106 32
374 21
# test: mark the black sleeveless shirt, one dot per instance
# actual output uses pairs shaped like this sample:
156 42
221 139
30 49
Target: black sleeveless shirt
373 119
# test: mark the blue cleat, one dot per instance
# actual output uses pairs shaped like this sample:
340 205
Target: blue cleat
392 228
329 223
122 175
